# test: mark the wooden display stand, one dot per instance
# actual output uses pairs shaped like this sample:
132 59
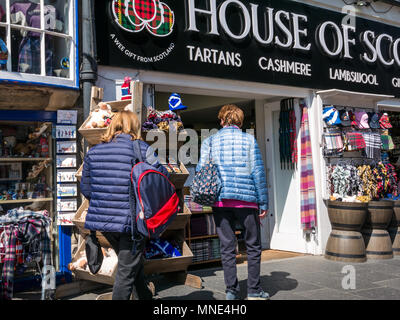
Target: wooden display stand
175 269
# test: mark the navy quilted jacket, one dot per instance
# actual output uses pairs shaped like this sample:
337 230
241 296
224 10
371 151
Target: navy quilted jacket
106 179
240 165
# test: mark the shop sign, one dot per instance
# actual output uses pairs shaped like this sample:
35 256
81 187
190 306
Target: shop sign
277 42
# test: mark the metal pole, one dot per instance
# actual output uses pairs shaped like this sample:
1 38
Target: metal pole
89 54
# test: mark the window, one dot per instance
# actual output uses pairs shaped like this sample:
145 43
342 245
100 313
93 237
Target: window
37 41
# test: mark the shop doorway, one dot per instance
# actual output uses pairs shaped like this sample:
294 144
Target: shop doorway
284 185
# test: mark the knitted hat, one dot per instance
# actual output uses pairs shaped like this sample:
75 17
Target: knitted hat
345 118
175 102
384 121
125 89
374 121
353 118
362 120
331 116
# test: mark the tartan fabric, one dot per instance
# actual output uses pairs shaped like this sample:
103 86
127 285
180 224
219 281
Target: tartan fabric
307 184
130 22
26 231
333 141
29 53
163 22
372 145
293 134
145 9
355 140
387 142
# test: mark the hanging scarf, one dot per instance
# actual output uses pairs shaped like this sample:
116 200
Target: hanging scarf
307 184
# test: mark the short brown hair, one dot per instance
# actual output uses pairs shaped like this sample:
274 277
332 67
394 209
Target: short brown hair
123 122
231 114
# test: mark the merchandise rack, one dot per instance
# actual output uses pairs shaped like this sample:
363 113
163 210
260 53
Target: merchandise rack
175 268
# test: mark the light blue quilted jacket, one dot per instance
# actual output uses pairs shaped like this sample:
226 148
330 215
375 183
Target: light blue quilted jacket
240 164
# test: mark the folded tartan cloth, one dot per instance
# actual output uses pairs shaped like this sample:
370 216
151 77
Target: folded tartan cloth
333 141
387 142
355 140
373 145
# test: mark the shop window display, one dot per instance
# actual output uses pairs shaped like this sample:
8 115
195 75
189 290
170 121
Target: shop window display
3 49
31 52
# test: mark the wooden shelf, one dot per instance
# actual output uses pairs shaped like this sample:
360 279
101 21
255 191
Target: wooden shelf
202 212
208 236
213 260
25 200
24 159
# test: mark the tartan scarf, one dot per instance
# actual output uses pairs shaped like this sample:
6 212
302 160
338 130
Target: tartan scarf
26 231
372 145
307 184
355 140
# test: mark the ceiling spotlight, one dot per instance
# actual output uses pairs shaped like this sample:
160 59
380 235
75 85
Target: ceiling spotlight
362 3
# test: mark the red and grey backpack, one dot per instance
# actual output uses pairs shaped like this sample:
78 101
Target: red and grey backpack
153 198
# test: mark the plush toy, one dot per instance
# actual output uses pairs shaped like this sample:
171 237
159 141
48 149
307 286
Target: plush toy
110 260
81 263
38 132
24 149
101 117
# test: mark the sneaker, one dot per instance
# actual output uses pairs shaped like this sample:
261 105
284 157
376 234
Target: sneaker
258 296
231 296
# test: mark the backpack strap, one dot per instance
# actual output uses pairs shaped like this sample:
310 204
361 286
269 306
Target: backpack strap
132 195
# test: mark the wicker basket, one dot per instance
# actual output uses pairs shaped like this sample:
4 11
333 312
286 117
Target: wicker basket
79 221
155 266
179 179
87 275
181 219
93 136
78 173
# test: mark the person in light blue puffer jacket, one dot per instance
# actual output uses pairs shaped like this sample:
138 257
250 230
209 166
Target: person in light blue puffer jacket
243 195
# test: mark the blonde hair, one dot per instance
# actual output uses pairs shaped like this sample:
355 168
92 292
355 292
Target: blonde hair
123 122
231 114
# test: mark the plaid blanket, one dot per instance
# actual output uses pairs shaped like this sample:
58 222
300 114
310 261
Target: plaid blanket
355 140
307 184
26 231
387 142
372 145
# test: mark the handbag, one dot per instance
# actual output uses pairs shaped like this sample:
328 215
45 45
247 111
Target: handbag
206 184
94 254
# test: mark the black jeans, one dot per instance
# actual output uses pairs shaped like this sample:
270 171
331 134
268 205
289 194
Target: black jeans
225 219
130 277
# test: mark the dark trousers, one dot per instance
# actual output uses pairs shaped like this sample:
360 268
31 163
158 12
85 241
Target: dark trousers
225 219
129 278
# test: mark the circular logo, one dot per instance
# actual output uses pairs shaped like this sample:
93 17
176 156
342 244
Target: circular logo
64 63
135 15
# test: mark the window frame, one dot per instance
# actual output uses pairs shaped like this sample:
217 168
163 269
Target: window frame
43 79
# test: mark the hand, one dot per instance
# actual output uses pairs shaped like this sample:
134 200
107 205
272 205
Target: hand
263 214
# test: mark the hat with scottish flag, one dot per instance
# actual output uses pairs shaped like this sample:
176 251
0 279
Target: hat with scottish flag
175 102
331 116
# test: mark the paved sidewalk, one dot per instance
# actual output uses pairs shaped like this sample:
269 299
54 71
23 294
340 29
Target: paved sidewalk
299 278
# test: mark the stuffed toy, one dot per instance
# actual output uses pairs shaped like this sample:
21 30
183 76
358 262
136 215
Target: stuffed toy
81 263
38 132
24 149
101 117
110 260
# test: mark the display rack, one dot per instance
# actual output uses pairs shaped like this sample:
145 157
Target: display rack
175 268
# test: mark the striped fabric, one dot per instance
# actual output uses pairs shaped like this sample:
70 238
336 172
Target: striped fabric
373 145
333 141
307 185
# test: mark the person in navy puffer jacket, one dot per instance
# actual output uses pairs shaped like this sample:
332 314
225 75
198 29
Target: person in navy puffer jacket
105 183
243 194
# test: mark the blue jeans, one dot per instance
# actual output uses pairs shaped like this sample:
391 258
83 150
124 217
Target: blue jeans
225 219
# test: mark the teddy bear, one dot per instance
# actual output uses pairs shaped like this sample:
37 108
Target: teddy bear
100 117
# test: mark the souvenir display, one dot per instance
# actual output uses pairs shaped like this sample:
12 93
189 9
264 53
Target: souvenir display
65 132
162 120
110 261
66 161
100 117
66 146
370 174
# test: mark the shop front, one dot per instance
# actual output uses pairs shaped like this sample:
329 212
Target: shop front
39 90
279 62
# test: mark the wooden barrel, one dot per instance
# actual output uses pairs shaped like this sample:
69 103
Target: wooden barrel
393 222
378 244
346 246
396 209
379 214
395 238
347 216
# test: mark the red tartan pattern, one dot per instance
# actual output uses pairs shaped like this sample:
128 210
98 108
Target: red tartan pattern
145 9
155 15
